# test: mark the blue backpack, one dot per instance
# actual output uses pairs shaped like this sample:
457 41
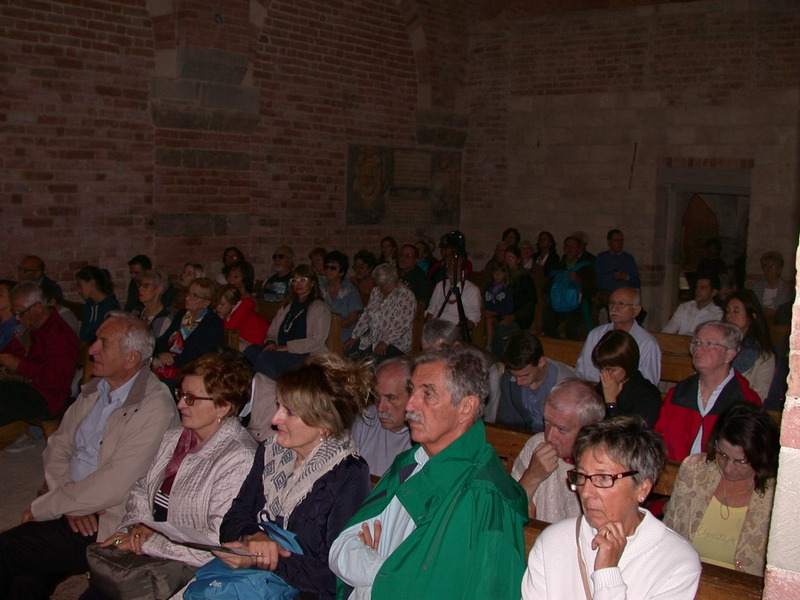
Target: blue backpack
565 294
217 580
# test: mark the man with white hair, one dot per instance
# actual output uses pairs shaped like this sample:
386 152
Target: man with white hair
381 433
446 520
276 286
105 443
541 467
623 307
45 368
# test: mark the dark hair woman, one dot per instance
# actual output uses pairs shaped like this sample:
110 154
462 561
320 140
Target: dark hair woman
300 327
722 499
97 290
389 252
625 390
546 253
243 276
756 358
230 255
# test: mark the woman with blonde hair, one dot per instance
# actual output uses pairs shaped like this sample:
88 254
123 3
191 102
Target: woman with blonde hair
307 481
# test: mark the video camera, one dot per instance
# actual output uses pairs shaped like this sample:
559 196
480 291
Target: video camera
454 239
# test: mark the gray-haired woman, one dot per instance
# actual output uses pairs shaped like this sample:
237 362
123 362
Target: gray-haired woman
616 549
384 328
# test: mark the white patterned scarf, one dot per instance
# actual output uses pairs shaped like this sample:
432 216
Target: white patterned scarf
286 486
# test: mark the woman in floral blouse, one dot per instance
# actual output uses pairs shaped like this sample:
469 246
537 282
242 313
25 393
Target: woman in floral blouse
384 329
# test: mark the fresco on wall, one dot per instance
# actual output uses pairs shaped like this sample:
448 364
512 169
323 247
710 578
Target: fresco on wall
402 186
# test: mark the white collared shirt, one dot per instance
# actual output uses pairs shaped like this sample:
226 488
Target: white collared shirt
355 563
697 445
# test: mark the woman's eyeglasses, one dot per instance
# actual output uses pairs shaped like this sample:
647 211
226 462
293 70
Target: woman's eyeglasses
331 267
705 344
296 280
188 397
739 462
599 480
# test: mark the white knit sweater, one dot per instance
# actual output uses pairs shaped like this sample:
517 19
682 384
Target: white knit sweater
656 563
204 487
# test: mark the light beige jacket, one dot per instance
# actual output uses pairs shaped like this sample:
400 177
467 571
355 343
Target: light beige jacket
205 485
697 479
132 436
318 324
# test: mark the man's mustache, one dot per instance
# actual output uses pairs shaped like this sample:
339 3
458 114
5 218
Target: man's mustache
413 416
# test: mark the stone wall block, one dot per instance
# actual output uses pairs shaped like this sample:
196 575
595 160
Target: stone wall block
216 159
784 551
233 122
229 97
780 584
184 224
168 157
171 116
239 224
180 91
209 64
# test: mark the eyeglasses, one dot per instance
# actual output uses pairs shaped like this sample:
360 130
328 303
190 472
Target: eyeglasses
18 314
408 255
194 296
278 255
618 304
188 397
145 285
739 462
695 344
331 267
296 280
599 480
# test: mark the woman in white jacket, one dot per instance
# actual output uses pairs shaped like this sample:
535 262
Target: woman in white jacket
199 467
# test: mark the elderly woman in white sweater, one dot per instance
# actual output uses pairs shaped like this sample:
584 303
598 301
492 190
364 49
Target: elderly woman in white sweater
616 550
199 467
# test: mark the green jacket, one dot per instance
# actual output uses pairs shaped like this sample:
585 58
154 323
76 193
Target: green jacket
469 516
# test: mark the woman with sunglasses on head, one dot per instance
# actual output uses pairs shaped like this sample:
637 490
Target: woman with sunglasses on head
300 327
339 293
196 472
616 549
194 331
722 499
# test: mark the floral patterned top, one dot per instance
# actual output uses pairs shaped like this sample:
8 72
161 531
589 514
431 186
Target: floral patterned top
389 319
695 484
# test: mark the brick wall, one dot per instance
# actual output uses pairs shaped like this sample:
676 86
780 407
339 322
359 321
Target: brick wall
77 141
559 104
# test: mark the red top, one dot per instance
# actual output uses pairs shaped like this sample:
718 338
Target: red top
252 326
50 361
680 420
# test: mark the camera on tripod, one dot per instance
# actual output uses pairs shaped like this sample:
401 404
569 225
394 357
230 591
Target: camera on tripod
455 240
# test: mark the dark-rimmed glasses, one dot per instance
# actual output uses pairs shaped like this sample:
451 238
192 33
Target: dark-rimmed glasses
188 397
599 480
18 314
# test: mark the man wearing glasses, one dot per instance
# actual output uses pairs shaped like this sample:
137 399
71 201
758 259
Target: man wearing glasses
623 307
31 268
692 407
106 441
276 287
45 368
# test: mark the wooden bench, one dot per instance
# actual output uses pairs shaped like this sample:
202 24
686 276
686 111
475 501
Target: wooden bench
671 343
674 367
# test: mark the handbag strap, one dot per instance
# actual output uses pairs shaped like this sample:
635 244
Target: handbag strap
584 576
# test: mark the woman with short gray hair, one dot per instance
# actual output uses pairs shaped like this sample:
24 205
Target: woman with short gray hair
384 328
692 407
151 310
623 551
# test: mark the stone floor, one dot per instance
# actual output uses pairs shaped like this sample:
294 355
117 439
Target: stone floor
22 476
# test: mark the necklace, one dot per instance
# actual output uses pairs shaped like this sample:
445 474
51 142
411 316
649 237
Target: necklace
726 513
288 326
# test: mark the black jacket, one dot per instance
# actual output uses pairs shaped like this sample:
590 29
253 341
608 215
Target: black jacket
206 337
317 521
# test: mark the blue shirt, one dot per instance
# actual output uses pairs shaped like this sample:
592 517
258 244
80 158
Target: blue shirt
90 432
346 301
606 263
533 400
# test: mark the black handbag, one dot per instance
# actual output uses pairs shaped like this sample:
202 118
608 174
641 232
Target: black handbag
123 575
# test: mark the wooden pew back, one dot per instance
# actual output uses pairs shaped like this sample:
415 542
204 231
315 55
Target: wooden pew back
671 343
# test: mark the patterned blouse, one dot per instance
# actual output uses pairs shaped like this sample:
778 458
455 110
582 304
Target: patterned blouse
389 319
